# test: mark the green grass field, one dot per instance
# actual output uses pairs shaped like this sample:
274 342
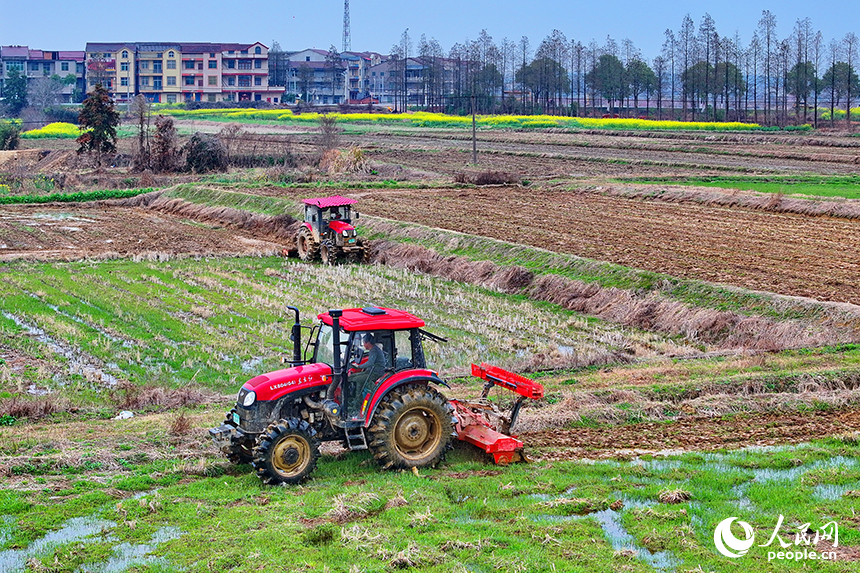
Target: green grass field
847 187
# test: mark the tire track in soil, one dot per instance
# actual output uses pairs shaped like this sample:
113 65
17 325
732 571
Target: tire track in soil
816 257
691 434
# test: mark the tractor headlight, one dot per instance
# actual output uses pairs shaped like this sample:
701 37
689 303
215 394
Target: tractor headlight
250 397
345 233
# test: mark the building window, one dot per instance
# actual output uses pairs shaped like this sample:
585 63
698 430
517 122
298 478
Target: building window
123 67
188 65
144 82
381 73
244 64
171 64
124 54
258 81
169 54
307 58
231 64
213 80
105 55
64 66
244 52
34 67
210 97
258 50
171 98
211 54
123 81
231 81
189 81
110 84
258 97
199 65
230 51
258 64
79 68
156 83
213 64
144 65
156 67
171 80
46 68
244 81
158 55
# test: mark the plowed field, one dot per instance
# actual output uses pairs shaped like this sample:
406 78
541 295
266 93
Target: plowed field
69 232
783 253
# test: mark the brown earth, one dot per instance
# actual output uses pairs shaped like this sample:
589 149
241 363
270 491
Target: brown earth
791 254
69 232
699 433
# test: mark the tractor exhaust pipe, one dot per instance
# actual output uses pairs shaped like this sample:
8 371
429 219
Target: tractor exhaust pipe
336 367
296 337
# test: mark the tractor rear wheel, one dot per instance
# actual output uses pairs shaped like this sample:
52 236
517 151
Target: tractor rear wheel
306 246
328 253
412 428
286 452
237 452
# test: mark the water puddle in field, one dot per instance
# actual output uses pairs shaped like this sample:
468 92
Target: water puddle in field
127 555
615 532
115 339
252 364
77 529
830 492
77 362
88 529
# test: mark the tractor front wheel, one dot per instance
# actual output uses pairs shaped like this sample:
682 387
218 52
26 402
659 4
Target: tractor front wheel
306 246
412 428
328 253
286 452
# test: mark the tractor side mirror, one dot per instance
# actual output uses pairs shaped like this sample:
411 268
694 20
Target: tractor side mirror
356 214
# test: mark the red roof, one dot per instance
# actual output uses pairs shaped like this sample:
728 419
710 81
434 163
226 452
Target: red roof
355 319
333 201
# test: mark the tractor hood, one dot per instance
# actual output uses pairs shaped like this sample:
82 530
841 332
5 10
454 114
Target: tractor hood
341 226
275 384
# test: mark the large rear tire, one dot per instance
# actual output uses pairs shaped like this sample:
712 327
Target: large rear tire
286 452
306 246
412 428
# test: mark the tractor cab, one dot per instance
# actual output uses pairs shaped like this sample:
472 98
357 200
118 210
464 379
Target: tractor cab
375 349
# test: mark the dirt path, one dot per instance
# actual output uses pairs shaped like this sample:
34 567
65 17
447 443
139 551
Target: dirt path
777 252
692 434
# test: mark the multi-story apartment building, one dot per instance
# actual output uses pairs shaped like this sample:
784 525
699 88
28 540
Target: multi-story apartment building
41 63
177 72
317 79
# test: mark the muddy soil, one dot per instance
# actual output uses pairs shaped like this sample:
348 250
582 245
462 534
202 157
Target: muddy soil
691 434
817 257
69 232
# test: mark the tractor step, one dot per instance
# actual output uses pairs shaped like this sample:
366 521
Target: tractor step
355 438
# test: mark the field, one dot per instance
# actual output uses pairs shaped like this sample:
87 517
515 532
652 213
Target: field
688 299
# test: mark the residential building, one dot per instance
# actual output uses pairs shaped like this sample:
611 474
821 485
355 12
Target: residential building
316 79
41 63
178 72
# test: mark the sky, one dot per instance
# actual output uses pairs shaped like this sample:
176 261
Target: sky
377 25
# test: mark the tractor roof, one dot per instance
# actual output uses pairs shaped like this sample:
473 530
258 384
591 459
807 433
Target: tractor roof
374 318
333 201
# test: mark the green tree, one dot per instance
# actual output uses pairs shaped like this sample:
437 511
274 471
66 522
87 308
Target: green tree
640 79
544 77
15 91
98 121
840 79
608 78
801 82
695 81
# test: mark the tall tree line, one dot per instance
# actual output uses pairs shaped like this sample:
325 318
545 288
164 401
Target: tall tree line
699 74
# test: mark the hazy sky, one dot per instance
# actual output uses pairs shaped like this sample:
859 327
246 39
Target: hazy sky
65 25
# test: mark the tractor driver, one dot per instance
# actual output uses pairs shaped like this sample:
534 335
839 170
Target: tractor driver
368 371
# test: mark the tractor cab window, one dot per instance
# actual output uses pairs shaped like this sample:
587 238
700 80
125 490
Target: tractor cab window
324 351
339 213
384 340
403 359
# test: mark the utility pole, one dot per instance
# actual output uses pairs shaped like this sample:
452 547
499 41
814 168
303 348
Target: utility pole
474 135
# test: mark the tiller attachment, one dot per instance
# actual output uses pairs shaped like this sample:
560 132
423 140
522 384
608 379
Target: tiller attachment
482 424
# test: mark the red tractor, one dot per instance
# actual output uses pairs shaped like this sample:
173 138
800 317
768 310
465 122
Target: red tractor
366 385
328 234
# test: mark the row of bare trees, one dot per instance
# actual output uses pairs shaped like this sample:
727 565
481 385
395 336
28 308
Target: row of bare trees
699 74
